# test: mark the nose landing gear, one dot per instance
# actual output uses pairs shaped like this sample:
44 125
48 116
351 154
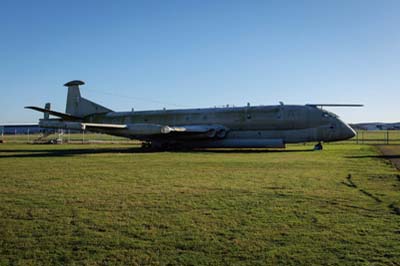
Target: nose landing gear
318 147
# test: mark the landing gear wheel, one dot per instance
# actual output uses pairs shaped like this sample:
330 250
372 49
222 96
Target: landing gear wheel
318 147
146 145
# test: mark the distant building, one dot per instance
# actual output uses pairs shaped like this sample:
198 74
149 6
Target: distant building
376 126
24 129
8 129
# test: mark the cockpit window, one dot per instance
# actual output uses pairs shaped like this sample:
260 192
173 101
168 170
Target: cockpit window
329 114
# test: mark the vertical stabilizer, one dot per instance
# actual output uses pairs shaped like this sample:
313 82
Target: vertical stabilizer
79 106
47 114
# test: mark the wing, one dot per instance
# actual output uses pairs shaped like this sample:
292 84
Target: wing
209 131
139 129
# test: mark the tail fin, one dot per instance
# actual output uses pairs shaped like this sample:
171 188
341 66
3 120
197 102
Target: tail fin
47 114
79 106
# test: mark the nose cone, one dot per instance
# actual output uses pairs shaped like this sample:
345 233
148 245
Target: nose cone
347 132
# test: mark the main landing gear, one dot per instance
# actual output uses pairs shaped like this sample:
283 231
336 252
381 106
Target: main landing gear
318 147
146 145
162 146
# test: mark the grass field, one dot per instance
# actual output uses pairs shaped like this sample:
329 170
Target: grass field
112 204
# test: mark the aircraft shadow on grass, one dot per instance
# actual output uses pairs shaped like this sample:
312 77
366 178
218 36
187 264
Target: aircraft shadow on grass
26 153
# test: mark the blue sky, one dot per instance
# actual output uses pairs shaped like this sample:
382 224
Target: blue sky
177 54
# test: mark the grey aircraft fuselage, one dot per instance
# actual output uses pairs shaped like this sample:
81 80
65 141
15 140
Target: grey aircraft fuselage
249 126
291 123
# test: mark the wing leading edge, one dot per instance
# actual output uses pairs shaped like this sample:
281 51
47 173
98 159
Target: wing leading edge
140 129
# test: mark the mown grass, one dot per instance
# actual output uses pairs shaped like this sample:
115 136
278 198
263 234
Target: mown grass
112 204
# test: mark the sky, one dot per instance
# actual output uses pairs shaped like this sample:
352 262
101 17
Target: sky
183 54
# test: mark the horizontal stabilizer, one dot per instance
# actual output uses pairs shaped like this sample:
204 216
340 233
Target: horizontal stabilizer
64 116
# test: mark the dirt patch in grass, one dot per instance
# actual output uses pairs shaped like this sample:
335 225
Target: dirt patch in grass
392 153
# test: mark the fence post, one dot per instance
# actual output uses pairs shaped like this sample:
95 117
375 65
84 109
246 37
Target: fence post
362 137
358 132
387 136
